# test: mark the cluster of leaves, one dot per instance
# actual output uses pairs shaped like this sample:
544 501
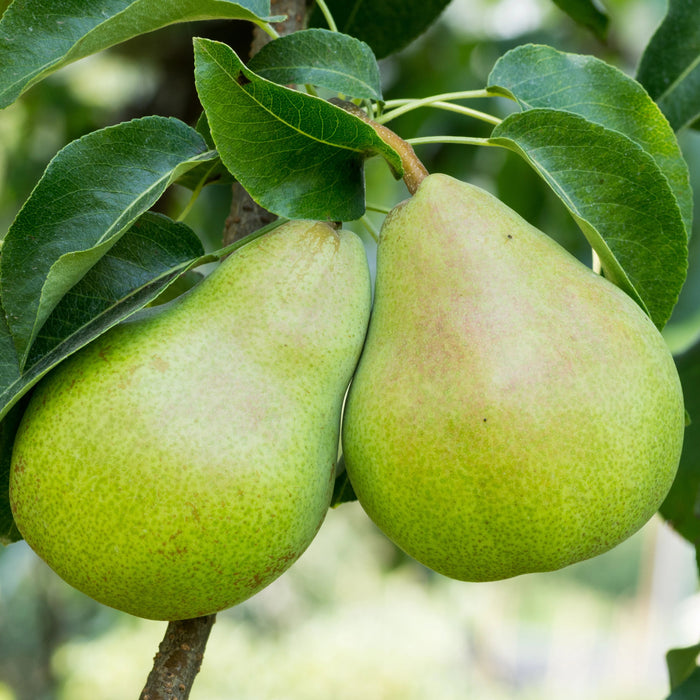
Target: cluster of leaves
85 251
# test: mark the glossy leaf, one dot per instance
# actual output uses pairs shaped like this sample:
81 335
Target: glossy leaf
135 271
320 57
297 155
618 196
540 76
682 505
37 37
670 65
586 13
154 245
386 26
91 192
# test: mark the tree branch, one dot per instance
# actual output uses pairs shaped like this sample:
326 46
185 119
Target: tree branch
178 660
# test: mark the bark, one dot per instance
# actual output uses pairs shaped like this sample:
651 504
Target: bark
178 660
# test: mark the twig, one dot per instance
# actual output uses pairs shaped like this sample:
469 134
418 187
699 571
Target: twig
178 660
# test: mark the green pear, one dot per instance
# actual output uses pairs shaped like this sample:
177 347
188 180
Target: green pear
183 461
512 411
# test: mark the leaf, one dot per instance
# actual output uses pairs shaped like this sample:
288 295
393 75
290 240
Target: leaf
151 255
89 195
540 76
586 13
681 508
670 66
618 196
37 37
297 155
681 664
9 364
320 57
386 26
153 245
689 689
8 429
343 492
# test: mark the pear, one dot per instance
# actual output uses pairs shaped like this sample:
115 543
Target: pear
512 411
183 461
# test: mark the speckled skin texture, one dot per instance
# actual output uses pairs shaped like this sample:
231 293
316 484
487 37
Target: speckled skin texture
512 411
183 461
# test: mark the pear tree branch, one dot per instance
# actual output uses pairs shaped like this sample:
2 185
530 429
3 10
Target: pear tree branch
178 660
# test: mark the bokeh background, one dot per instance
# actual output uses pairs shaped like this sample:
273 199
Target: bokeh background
355 618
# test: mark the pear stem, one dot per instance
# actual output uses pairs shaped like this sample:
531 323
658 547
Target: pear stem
413 169
327 15
464 140
178 660
409 105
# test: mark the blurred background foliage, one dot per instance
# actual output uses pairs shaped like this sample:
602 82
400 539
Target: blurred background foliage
355 618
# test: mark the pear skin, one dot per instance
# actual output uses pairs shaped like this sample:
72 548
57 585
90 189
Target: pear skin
183 461
512 411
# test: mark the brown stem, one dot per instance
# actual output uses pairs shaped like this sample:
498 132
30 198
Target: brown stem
413 169
178 660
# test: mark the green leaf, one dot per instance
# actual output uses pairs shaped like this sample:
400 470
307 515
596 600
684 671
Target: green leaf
37 37
670 66
681 508
8 429
343 492
542 77
386 26
154 245
9 364
150 255
681 664
91 192
297 155
689 689
618 196
586 13
320 57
